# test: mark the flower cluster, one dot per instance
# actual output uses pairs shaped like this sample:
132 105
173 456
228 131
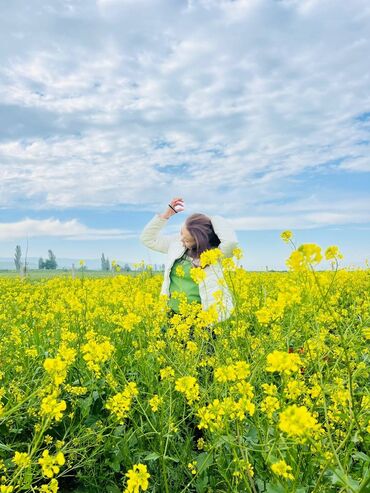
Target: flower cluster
297 421
51 463
210 257
120 404
219 413
189 387
230 373
137 479
283 362
97 353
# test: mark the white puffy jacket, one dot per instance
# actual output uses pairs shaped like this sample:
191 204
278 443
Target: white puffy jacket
173 247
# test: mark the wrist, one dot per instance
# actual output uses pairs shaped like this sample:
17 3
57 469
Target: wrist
165 215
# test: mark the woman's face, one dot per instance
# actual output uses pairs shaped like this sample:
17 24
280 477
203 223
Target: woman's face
186 238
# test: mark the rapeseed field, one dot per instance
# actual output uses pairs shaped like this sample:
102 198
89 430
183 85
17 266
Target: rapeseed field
102 391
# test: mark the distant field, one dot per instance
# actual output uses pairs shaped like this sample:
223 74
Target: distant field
48 274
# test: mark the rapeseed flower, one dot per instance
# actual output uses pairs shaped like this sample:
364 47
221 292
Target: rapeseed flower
297 421
57 369
192 466
269 405
230 373
52 487
282 469
6 489
21 459
189 387
155 402
238 253
286 235
332 252
120 404
50 463
197 274
137 479
52 407
167 373
210 257
95 354
283 362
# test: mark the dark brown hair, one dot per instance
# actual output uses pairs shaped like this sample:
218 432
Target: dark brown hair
201 229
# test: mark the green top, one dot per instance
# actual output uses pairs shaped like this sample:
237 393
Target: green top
181 282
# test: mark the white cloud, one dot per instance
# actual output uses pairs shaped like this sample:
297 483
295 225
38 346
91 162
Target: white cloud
228 103
70 230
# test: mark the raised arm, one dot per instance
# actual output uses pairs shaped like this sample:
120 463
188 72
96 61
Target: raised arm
151 236
226 234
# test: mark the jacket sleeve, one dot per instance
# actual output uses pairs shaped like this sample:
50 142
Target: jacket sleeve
152 238
226 234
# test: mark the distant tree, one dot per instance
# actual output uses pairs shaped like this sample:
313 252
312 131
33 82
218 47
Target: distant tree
41 263
51 262
105 264
18 258
126 268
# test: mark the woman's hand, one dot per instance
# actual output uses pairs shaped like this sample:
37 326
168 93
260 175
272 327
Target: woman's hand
178 205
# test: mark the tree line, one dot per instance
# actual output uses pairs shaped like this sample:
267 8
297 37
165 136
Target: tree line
50 263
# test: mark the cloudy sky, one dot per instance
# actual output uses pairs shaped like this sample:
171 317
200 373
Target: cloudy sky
257 110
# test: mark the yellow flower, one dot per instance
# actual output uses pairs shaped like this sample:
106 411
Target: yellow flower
297 421
283 362
57 369
237 371
137 478
197 274
95 354
167 373
281 468
21 459
238 253
366 332
286 235
155 402
332 252
311 253
52 487
200 443
120 404
243 465
180 271
50 406
269 388
307 254
6 489
294 389
193 467
189 387
50 463
269 405
210 257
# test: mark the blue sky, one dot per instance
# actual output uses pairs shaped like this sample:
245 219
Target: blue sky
257 110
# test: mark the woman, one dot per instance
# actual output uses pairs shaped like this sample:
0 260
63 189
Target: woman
199 233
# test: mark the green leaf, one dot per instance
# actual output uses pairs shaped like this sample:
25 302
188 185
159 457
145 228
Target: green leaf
361 456
275 488
5 447
152 456
204 461
338 477
173 459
